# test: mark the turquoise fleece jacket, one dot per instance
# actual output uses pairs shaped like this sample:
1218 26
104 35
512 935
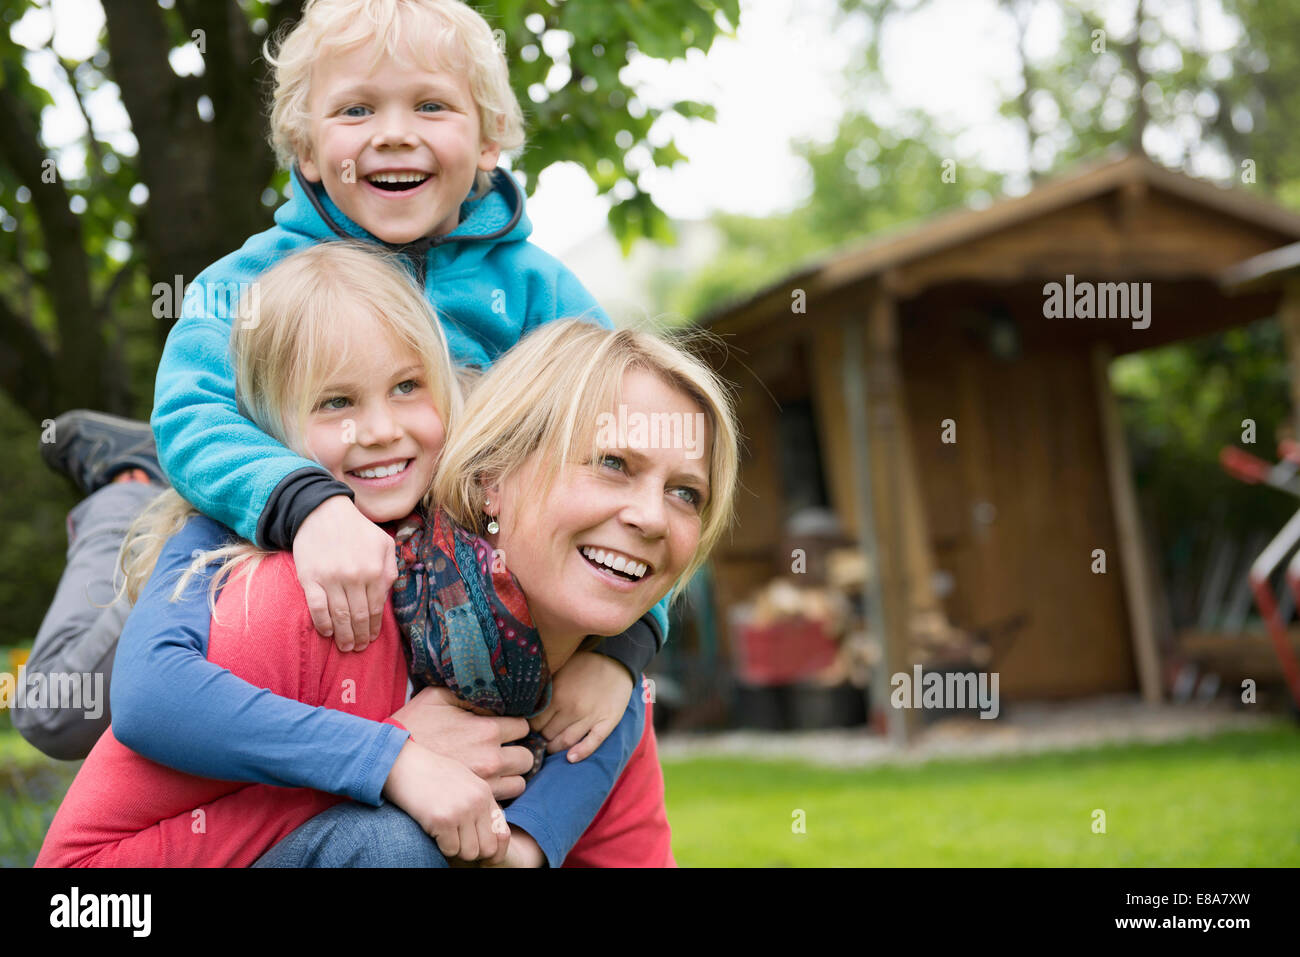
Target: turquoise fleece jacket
487 283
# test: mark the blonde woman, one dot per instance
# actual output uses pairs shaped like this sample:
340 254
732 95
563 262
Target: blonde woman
528 459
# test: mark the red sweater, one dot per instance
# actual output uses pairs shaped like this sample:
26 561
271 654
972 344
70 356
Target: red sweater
124 810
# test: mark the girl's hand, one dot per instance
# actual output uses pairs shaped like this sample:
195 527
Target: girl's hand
441 722
346 566
452 804
522 851
588 698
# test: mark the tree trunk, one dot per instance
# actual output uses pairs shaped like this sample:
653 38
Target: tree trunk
205 179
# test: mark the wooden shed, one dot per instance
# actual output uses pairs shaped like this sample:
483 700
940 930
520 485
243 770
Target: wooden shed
953 408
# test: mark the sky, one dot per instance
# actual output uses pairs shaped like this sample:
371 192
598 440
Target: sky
781 78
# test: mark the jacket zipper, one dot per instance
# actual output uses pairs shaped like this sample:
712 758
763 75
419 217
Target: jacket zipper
410 250
418 253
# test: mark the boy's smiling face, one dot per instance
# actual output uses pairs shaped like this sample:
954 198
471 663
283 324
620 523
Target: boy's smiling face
397 146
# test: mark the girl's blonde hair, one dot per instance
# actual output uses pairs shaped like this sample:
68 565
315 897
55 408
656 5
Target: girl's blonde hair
285 348
550 393
444 34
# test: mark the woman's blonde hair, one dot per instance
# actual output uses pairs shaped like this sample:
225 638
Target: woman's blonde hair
286 346
444 34
551 392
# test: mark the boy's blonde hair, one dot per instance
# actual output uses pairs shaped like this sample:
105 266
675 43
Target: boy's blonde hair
548 394
445 34
285 348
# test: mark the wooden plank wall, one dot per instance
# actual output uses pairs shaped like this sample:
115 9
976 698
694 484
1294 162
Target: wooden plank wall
1018 504
745 558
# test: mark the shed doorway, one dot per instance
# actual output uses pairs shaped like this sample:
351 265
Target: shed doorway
1017 501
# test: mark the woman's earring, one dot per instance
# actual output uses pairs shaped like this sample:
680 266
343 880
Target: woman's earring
492 527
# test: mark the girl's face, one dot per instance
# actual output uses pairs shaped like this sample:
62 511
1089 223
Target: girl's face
601 548
376 429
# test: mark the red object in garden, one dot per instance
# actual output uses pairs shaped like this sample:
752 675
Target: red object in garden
783 652
1252 470
1243 465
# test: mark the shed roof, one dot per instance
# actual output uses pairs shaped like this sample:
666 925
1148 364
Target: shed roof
1133 174
1262 271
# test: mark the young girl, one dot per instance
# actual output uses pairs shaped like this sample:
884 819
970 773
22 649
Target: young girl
378 427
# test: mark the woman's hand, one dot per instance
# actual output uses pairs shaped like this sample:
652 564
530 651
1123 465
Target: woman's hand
588 698
346 565
452 804
440 721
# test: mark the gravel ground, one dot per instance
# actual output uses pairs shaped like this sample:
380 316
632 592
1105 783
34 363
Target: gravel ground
1023 729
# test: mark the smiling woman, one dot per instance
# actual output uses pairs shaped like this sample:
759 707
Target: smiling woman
637 508
579 505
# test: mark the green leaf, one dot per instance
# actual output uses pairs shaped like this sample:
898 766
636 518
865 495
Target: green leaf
694 109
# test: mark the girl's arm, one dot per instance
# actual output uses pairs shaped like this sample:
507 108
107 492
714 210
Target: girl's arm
563 798
172 705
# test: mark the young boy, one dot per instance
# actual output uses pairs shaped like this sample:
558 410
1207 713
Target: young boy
392 115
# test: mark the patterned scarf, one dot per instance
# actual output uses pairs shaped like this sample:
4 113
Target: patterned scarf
467 625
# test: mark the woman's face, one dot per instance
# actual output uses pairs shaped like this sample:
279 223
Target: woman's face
376 429
602 547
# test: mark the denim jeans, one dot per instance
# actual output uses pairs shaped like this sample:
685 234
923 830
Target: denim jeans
356 835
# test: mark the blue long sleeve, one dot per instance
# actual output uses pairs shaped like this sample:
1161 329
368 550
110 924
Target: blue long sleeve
562 799
174 706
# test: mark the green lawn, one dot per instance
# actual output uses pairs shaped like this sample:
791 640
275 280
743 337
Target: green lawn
1233 800
31 787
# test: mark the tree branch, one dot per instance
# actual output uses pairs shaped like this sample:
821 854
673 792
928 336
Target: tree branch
105 305
1021 14
68 285
177 150
69 72
1133 53
229 52
26 366
139 44
26 281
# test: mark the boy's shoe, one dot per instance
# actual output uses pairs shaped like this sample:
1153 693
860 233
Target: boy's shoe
91 448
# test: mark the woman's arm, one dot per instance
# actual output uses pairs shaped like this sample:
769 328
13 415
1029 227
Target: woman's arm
172 705
563 798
